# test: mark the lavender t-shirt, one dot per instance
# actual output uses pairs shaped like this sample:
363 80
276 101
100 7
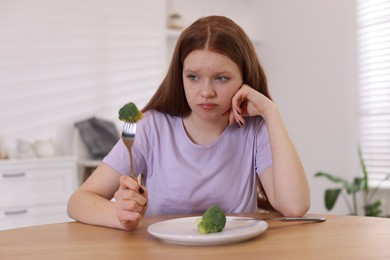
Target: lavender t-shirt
184 177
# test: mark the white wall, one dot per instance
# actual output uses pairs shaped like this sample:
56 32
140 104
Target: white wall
308 52
66 61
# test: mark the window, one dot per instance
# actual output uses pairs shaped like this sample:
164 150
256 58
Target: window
373 36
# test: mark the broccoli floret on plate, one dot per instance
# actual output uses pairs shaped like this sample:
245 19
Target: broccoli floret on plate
130 113
212 221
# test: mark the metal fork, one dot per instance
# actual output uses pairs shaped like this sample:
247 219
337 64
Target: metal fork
309 219
128 135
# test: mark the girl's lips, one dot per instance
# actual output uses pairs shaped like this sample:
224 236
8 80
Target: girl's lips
207 105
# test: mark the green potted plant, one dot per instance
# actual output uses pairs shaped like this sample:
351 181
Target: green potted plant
359 184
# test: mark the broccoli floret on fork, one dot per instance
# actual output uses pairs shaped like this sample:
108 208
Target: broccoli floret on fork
129 113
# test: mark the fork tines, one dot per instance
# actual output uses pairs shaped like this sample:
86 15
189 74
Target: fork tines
129 130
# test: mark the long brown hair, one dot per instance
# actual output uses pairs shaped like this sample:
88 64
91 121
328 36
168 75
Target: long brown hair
214 33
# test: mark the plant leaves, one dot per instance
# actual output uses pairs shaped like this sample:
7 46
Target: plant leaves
373 209
349 187
331 196
355 186
358 184
364 169
331 177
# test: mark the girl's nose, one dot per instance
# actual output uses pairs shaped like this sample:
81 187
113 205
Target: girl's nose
207 90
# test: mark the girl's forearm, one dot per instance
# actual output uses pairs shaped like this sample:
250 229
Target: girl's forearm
290 187
89 208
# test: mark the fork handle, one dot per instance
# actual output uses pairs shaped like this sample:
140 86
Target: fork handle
129 144
319 219
309 219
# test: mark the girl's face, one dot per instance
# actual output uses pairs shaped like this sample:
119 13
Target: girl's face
210 81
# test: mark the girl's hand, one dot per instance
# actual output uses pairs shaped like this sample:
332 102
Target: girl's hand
131 202
248 102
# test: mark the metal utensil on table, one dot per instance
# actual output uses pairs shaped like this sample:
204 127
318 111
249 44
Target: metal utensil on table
308 219
128 135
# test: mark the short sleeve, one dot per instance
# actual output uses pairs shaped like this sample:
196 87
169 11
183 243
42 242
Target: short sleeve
118 158
263 152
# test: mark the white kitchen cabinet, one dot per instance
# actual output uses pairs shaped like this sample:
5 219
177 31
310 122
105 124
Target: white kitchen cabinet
35 191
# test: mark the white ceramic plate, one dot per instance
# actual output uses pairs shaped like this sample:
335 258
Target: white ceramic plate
184 231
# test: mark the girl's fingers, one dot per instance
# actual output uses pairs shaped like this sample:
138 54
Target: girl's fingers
130 189
131 205
131 200
234 116
127 182
239 118
232 119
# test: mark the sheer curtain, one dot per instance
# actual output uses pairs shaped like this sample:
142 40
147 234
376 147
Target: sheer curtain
373 37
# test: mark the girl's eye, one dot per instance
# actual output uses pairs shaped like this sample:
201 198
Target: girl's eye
192 77
221 78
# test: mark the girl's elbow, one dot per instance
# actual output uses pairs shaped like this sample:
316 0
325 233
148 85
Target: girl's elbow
296 209
72 206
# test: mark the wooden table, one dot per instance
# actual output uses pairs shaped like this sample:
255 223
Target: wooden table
340 237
